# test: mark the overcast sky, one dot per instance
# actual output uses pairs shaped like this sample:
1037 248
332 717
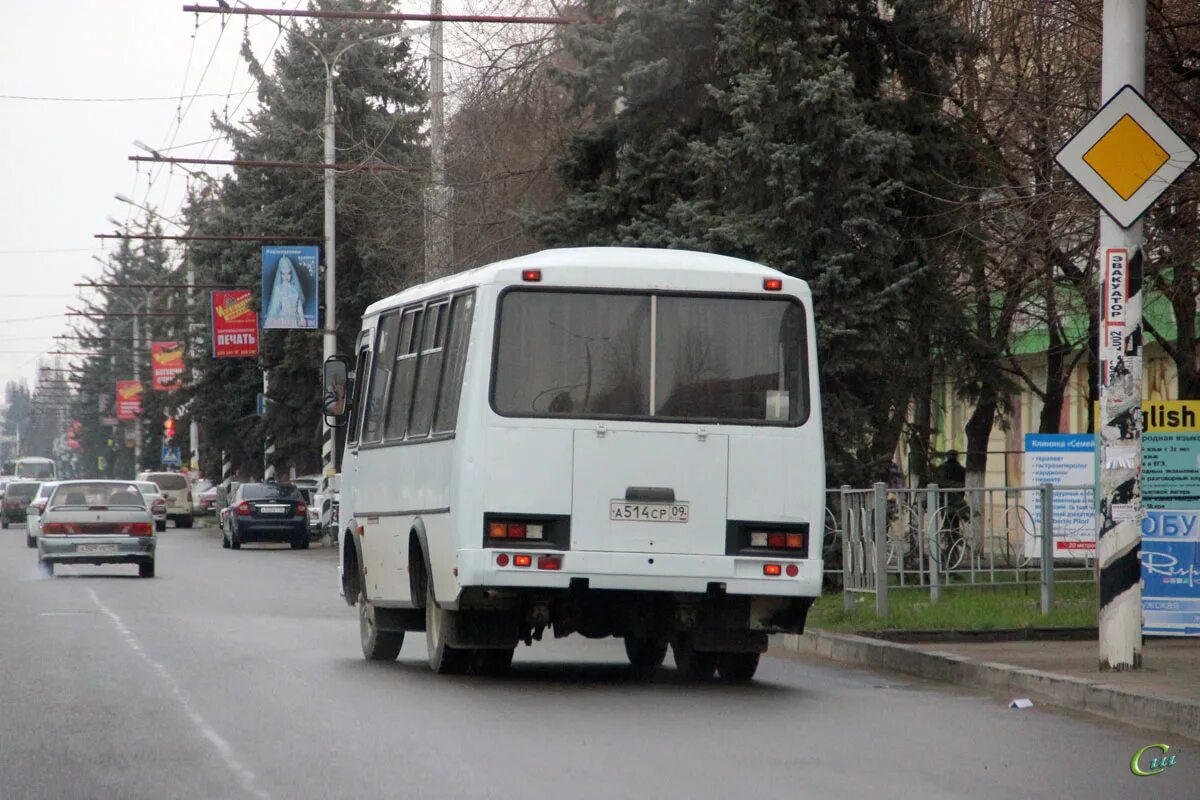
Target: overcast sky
66 154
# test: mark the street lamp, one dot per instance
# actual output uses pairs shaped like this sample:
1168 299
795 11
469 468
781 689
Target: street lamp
329 339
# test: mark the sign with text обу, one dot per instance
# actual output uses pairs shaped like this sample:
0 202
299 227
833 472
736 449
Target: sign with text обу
129 399
234 325
1062 459
1171 528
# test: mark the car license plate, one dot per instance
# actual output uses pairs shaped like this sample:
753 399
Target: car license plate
96 548
273 509
622 511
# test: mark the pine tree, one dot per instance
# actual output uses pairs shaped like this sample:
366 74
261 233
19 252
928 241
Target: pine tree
785 133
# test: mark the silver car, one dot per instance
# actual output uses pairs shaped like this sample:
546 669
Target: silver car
97 522
158 503
33 523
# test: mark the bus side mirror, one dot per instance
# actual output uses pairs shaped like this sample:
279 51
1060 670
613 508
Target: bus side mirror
336 393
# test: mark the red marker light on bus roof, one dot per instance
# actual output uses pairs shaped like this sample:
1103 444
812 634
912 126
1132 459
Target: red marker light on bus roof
531 275
773 284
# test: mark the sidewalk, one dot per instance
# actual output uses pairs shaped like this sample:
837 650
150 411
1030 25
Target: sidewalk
1164 694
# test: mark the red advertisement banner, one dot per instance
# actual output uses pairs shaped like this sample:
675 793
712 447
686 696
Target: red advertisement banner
129 399
166 365
234 325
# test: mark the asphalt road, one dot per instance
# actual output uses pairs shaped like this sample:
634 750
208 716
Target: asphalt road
238 674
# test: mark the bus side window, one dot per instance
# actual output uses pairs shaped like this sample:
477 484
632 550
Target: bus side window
429 370
360 378
403 372
456 359
381 378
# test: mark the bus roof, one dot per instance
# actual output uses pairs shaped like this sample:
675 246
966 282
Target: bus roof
692 270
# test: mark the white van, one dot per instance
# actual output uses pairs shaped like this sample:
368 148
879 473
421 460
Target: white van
178 493
605 441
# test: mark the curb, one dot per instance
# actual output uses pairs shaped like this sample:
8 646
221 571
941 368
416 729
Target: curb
1077 694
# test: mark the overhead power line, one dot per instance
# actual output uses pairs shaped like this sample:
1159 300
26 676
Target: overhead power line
197 238
365 166
175 98
382 15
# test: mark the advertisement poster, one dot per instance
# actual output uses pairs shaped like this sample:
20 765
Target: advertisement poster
129 399
289 287
1171 528
166 366
1062 459
234 325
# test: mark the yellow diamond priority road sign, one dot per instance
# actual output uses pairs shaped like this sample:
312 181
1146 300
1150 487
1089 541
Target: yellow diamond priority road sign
1125 157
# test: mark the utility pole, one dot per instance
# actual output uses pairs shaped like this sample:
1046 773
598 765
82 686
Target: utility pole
437 196
1118 545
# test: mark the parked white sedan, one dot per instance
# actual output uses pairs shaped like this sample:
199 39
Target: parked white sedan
33 523
97 522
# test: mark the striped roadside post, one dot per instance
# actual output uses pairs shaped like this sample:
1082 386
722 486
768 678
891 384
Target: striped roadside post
328 467
1119 494
226 468
1119 538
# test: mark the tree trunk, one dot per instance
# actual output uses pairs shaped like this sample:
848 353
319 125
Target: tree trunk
1183 303
921 433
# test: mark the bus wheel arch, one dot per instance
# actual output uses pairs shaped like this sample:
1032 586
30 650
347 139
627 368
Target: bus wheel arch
352 583
419 570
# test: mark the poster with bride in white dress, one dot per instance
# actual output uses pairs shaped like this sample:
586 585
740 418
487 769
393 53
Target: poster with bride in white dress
289 287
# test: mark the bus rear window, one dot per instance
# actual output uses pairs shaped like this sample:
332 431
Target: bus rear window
589 354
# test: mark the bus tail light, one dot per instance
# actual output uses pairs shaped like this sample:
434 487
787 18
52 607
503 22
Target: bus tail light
792 570
531 275
502 560
789 541
539 530
773 284
549 562
522 560
772 570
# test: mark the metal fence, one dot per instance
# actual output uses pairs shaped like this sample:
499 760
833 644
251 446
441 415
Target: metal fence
937 537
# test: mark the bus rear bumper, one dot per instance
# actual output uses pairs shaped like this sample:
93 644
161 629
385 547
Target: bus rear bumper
662 572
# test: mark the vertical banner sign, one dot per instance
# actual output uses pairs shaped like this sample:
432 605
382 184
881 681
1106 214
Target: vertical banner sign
166 366
1062 459
1119 501
289 287
234 325
1171 529
129 399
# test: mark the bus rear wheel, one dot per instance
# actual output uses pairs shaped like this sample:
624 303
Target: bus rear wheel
692 664
737 667
443 659
492 662
645 653
377 645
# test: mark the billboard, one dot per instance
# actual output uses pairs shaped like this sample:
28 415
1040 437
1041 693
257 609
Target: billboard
289 287
234 325
1062 459
1171 528
166 366
129 399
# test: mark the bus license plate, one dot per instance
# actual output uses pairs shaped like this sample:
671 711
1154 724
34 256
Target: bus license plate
622 511
96 548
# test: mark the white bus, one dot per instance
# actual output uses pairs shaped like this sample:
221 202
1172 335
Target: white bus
33 468
605 441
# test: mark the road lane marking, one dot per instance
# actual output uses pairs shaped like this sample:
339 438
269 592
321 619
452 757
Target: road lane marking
219 743
65 613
